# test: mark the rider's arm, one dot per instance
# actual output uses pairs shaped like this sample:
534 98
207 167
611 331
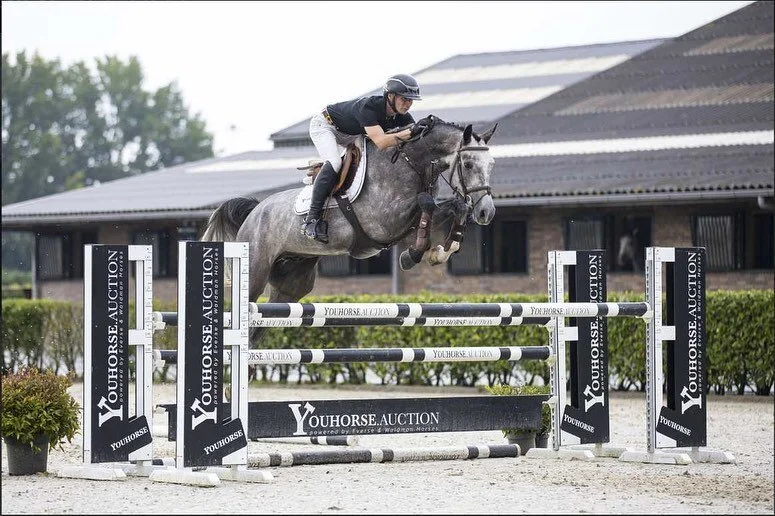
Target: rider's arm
382 140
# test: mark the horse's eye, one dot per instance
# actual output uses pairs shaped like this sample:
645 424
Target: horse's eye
469 165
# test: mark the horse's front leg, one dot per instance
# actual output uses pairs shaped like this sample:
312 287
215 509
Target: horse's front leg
441 253
414 254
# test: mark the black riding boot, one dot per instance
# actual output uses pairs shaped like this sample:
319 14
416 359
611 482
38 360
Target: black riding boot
313 227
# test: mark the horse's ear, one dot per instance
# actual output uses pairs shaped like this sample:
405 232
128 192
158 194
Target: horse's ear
486 136
469 130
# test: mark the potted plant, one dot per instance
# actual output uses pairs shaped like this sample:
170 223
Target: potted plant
37 415
526 438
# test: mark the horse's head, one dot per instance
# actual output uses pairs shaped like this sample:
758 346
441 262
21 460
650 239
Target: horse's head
464 162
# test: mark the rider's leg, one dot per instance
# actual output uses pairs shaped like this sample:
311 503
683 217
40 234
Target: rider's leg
324 137
324 183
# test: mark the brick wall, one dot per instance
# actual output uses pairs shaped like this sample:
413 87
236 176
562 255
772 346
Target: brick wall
671 227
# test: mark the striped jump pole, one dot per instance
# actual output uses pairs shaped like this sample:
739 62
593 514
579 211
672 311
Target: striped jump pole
448 310
353 355
379 455
164 319
375 455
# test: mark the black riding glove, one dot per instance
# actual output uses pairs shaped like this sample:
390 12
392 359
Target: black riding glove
416 129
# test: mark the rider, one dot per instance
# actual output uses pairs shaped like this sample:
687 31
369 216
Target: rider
341 123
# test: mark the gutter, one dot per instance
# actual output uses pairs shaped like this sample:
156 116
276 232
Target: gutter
630 198
88 218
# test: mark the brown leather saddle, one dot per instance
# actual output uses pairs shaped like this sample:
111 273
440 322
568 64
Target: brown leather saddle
350 161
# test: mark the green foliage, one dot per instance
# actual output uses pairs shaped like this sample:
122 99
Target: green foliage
22 332
44 333
67 127
36 403
626 346
526 390
741 350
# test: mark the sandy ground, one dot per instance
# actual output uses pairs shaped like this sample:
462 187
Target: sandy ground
742 426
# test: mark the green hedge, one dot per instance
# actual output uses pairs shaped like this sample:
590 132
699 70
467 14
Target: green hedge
740 343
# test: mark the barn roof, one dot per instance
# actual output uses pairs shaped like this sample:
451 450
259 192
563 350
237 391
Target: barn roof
689 119
481 88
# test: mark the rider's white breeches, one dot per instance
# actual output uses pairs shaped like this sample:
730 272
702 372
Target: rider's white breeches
329 142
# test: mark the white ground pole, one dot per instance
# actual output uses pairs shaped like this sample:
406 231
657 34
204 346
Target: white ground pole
142 339
656 257
235 339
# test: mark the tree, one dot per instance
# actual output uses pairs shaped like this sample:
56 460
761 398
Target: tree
69 127
34 102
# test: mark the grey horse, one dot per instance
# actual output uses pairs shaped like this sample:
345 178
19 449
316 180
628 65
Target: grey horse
388 208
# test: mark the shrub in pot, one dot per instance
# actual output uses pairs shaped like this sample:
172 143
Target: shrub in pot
38 414
526 437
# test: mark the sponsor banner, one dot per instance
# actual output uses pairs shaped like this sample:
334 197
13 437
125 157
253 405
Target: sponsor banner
587 415
386 416
577 422
114 435
684 417
208 435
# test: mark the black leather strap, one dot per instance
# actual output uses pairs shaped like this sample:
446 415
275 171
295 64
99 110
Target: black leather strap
362 241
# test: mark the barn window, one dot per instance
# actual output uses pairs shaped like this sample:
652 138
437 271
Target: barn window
54 257
721 236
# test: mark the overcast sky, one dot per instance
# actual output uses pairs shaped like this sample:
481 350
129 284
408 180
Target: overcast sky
254 68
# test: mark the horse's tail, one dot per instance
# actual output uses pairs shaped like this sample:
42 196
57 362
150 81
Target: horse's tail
225 221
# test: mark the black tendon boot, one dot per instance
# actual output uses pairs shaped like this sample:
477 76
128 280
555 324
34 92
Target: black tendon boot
313 227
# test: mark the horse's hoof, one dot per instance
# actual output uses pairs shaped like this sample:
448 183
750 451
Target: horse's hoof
406 261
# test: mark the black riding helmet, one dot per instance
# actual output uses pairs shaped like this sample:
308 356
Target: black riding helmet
404 85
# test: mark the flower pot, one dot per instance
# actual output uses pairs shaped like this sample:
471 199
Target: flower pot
22 458
542 441
525 441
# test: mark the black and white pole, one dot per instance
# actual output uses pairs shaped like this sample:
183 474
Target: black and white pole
380 455
446 310
352 355
374 455
163 319
680 424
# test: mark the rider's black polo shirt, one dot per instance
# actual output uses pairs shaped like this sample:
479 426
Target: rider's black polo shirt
352 116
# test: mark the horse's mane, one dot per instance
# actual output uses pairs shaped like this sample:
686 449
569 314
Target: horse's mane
436 121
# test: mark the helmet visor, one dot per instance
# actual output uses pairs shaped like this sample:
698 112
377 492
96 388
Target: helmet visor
411 93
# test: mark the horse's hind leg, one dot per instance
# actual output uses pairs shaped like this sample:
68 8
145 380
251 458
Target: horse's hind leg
289 281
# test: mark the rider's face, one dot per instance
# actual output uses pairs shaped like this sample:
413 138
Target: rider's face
403 104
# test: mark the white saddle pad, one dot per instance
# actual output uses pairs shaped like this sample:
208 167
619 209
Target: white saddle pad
301 205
